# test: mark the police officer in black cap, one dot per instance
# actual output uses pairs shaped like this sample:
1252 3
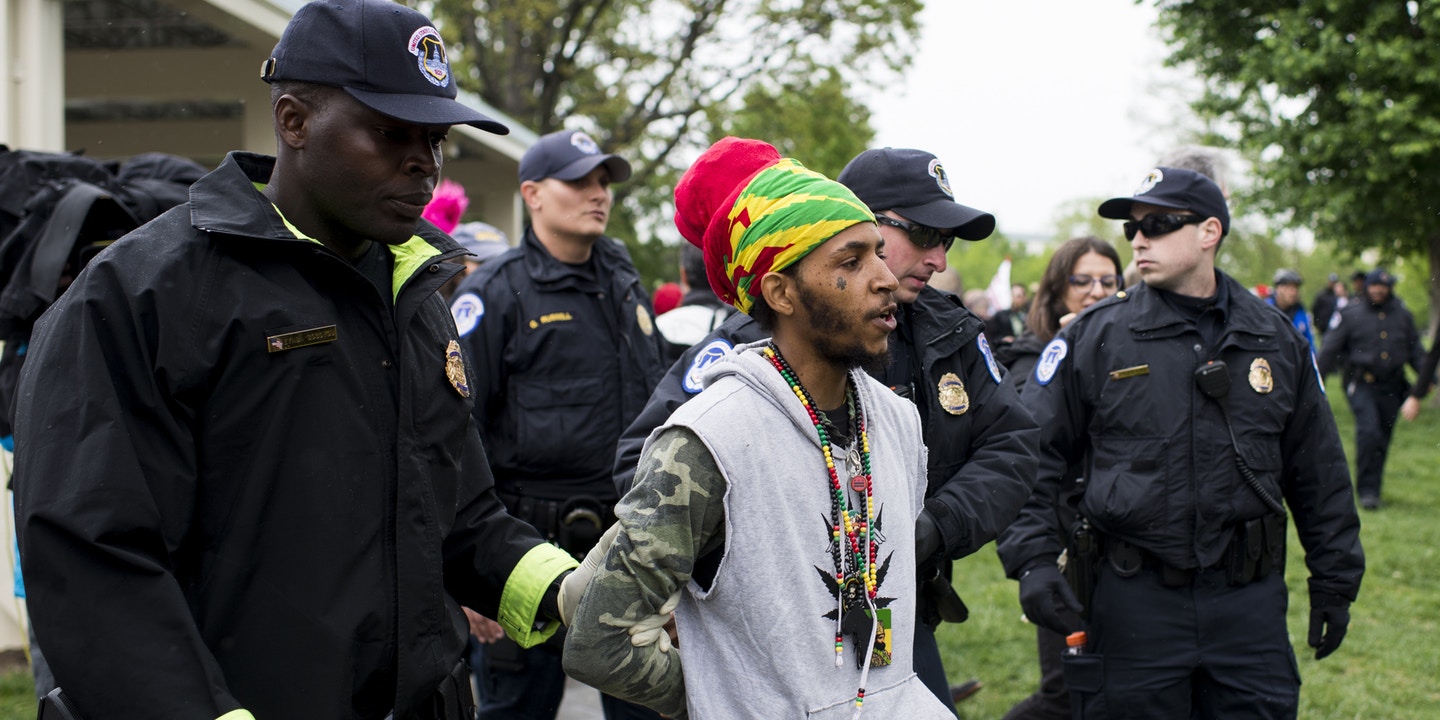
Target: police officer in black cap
566 353
980 438
1195 410
1373 340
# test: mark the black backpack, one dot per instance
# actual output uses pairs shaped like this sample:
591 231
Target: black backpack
57 211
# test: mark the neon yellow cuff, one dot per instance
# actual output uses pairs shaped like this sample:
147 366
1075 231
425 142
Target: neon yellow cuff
241 714
526 587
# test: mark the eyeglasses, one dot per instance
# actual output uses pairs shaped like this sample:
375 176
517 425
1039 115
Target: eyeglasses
924 236
1110 283
1156 225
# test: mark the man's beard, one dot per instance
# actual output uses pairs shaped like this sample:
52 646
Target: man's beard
834 343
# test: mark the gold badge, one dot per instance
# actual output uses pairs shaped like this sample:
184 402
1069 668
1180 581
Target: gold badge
642 316
455 369
952 394
1260 378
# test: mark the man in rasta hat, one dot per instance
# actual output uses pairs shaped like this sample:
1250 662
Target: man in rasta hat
787 491
980 438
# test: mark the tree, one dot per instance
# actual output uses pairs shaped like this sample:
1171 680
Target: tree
658 80
1337 105
817 122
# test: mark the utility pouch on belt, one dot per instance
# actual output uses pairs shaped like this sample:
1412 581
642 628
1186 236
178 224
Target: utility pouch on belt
1082 552
1274 558
1246 549
56 706
1257 549
582 520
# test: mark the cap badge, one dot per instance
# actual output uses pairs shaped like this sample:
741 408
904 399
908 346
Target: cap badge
642 318
1260 378
429 50
584 144
938 172
953 397
1154 178
455 369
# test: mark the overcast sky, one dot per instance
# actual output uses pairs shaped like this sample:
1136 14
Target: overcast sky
1033 104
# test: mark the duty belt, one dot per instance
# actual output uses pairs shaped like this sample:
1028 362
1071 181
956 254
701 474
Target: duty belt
575 524
1256 550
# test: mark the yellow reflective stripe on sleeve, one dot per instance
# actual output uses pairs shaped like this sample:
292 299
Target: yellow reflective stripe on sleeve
241 714
524 589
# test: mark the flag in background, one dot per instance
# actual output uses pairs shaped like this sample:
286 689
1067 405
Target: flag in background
998 293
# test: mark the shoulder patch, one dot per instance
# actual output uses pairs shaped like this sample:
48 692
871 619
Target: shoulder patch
707 356
989 357
1049 361
467 311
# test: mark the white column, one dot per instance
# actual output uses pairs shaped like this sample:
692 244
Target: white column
34 75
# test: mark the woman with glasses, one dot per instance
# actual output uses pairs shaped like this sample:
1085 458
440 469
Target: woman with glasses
1083 271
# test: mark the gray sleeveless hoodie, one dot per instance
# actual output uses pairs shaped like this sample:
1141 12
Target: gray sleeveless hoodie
758 644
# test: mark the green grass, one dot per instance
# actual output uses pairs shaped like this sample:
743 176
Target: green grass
1388 665
17 695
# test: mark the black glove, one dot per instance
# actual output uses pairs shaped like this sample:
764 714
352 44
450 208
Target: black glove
1329 619
1048 601
927 538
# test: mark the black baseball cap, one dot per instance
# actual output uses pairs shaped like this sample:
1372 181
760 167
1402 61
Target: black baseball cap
386 55
914 184
569 155
1177 189
1380 277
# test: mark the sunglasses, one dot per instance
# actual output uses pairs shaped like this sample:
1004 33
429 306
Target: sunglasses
1110 283
923 236
1156 225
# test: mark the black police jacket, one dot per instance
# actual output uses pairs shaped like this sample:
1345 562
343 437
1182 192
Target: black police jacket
1373 343
244 480
1115 394
567 357
981 457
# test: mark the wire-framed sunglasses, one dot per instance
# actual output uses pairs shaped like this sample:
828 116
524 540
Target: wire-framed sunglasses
1109 283
1156 225
923 236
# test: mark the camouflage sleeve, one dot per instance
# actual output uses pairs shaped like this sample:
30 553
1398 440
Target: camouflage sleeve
675 509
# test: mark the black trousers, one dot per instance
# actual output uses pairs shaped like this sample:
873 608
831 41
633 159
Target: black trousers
1375 406
1205 649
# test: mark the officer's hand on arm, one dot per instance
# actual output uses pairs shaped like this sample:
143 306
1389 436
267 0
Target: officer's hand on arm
1045 597
1411 409
1329 619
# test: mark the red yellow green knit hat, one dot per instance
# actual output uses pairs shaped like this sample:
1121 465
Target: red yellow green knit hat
753 212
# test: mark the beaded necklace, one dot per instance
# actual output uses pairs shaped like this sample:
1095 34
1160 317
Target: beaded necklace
853 546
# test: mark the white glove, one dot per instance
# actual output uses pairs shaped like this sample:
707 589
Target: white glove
651 630
572 588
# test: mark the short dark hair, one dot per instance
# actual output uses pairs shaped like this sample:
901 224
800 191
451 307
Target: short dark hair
315 95
1049 304
692 261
